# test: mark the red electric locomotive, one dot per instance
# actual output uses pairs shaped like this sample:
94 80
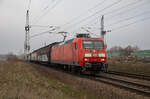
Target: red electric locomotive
81 54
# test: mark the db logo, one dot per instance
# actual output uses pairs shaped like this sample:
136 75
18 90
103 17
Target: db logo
94 55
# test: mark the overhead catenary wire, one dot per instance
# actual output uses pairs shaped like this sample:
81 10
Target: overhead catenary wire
99 4
88 31
129 18
120 8
41 26
67 23
48 10
107 7
124 7
44 9
53 28
44 26
133 3
123 26
52 1
45 32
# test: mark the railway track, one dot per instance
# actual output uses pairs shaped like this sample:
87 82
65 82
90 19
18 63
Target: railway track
136 87
143 77
127 85
140 89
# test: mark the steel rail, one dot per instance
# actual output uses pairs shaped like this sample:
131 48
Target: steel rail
127 82
140 92
144 77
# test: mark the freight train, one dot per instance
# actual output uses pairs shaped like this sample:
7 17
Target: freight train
80 54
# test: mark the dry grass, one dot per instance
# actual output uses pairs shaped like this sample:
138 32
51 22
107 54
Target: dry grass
19 80
130 67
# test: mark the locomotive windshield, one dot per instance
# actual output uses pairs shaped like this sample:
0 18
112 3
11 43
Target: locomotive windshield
93 44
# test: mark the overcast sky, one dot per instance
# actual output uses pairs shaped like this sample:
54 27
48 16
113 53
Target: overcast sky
129 21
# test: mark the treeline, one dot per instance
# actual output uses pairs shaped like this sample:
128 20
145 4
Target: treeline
11 56
127 51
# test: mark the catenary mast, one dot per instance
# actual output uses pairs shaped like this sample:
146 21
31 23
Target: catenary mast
27 36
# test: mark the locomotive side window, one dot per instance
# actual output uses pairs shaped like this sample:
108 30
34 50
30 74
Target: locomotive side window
93 44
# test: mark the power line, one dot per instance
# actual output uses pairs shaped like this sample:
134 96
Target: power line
97 12
42 26
129 18
48 5
88 31
97 5
45 32
49 9
127 10
86 11
45 8
126 6
110 12
38 34
48 31
144 19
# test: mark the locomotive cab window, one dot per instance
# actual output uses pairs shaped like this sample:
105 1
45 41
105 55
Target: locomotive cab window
93 44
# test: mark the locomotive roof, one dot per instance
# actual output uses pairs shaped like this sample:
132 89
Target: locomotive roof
71 40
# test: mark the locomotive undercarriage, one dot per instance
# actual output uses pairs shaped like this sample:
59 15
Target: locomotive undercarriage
89 67
95 67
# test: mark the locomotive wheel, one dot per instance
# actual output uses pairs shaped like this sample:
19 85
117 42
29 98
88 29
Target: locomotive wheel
69 68
65 67
73 69
105 69
79 70
92 73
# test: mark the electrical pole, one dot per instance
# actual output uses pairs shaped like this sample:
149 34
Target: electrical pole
102 27
102 31
27 36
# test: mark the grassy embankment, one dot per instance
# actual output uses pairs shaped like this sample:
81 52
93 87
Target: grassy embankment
130 67
18 80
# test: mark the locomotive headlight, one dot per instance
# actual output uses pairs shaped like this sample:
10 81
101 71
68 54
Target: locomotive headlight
101 55
86 59
102 59
88 55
